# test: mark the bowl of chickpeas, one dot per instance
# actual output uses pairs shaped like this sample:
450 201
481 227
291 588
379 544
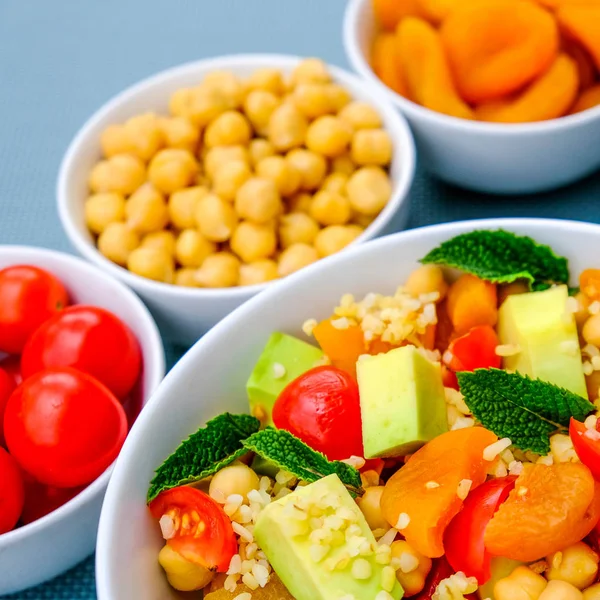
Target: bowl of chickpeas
201 185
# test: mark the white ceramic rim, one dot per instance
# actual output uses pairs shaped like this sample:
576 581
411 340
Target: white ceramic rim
158 368
147 286
105 531
363 68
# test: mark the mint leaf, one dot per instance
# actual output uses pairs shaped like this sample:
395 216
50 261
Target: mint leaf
288 453
211 448
501 257
520 408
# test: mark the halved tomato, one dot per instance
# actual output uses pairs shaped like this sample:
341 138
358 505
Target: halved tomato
587 445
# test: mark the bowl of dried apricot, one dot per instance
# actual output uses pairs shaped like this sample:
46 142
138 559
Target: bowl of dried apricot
503 96
202 185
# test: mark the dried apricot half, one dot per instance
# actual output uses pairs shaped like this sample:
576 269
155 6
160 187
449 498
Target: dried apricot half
582 22
588 99
550 508
386 63
425 491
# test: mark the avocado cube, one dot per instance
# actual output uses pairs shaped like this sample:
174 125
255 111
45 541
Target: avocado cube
402 402
283 359
544 336
319 544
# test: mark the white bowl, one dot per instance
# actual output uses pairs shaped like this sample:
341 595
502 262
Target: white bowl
184 314
43 549
487 157
211 379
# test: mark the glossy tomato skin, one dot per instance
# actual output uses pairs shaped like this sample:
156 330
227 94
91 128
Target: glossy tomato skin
476 349
64 427
11 492
12 365
464 537
90 339
28 297
7 386
213 543
321 407
587 448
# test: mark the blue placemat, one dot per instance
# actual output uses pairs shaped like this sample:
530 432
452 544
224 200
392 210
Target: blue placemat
60 60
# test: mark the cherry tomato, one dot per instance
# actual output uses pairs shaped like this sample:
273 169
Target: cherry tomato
90 339
440 570
321 407
476 349
28 296
12 365
208 540
11 492
64 427
587 445
463 540
7 385
449 378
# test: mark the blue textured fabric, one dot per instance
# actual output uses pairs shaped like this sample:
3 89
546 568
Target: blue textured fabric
60 60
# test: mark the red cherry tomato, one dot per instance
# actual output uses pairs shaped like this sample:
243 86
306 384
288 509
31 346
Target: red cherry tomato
90 339
64 427
321 407
449 378
474 350
463 540
12 365
41 499
11 491
28 296
209 540
587 446
7 386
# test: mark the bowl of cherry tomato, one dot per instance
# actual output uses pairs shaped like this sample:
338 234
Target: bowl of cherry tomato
79 357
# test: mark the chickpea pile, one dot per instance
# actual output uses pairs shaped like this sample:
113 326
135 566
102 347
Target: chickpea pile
246 180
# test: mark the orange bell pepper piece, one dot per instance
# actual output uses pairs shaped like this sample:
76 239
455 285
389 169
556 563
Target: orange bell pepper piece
342 346
471 302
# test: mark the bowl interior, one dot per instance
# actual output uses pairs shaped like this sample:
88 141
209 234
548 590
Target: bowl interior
211 378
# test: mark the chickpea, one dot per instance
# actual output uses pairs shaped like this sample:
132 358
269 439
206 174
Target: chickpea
266 79
228 84
339 96
258 200
521 584
414 581
253 241
257 272
163 240
426 280
229 129
234 479
230 177
363 220
258 149
296 257
511 289
218 156
370 505
334 238
215 218
152 263
360 115
172 169
300 202
310 70
219 270
192 248
114 140
282 172
180 102
583 313
343 164
312 167
577 565
330 208
371 147
145 136
369 190
122 173
312 99
179 132
183 574
182 206
591 330
146 210
297 228
592 593
186 277
287 127
328 136
117 242
103 209
560 590
335 182
206 104
259 106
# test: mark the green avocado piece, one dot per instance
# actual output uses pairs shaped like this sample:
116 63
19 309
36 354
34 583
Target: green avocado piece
344 565
402 402
544 332
500 568
283 359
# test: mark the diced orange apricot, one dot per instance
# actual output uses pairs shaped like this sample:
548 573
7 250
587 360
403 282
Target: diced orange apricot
377 346
471 302
342 346
549 97
428 338
446 461
588 99
386 63
390 12
581 20
589 283
497 47
444 328
426 69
